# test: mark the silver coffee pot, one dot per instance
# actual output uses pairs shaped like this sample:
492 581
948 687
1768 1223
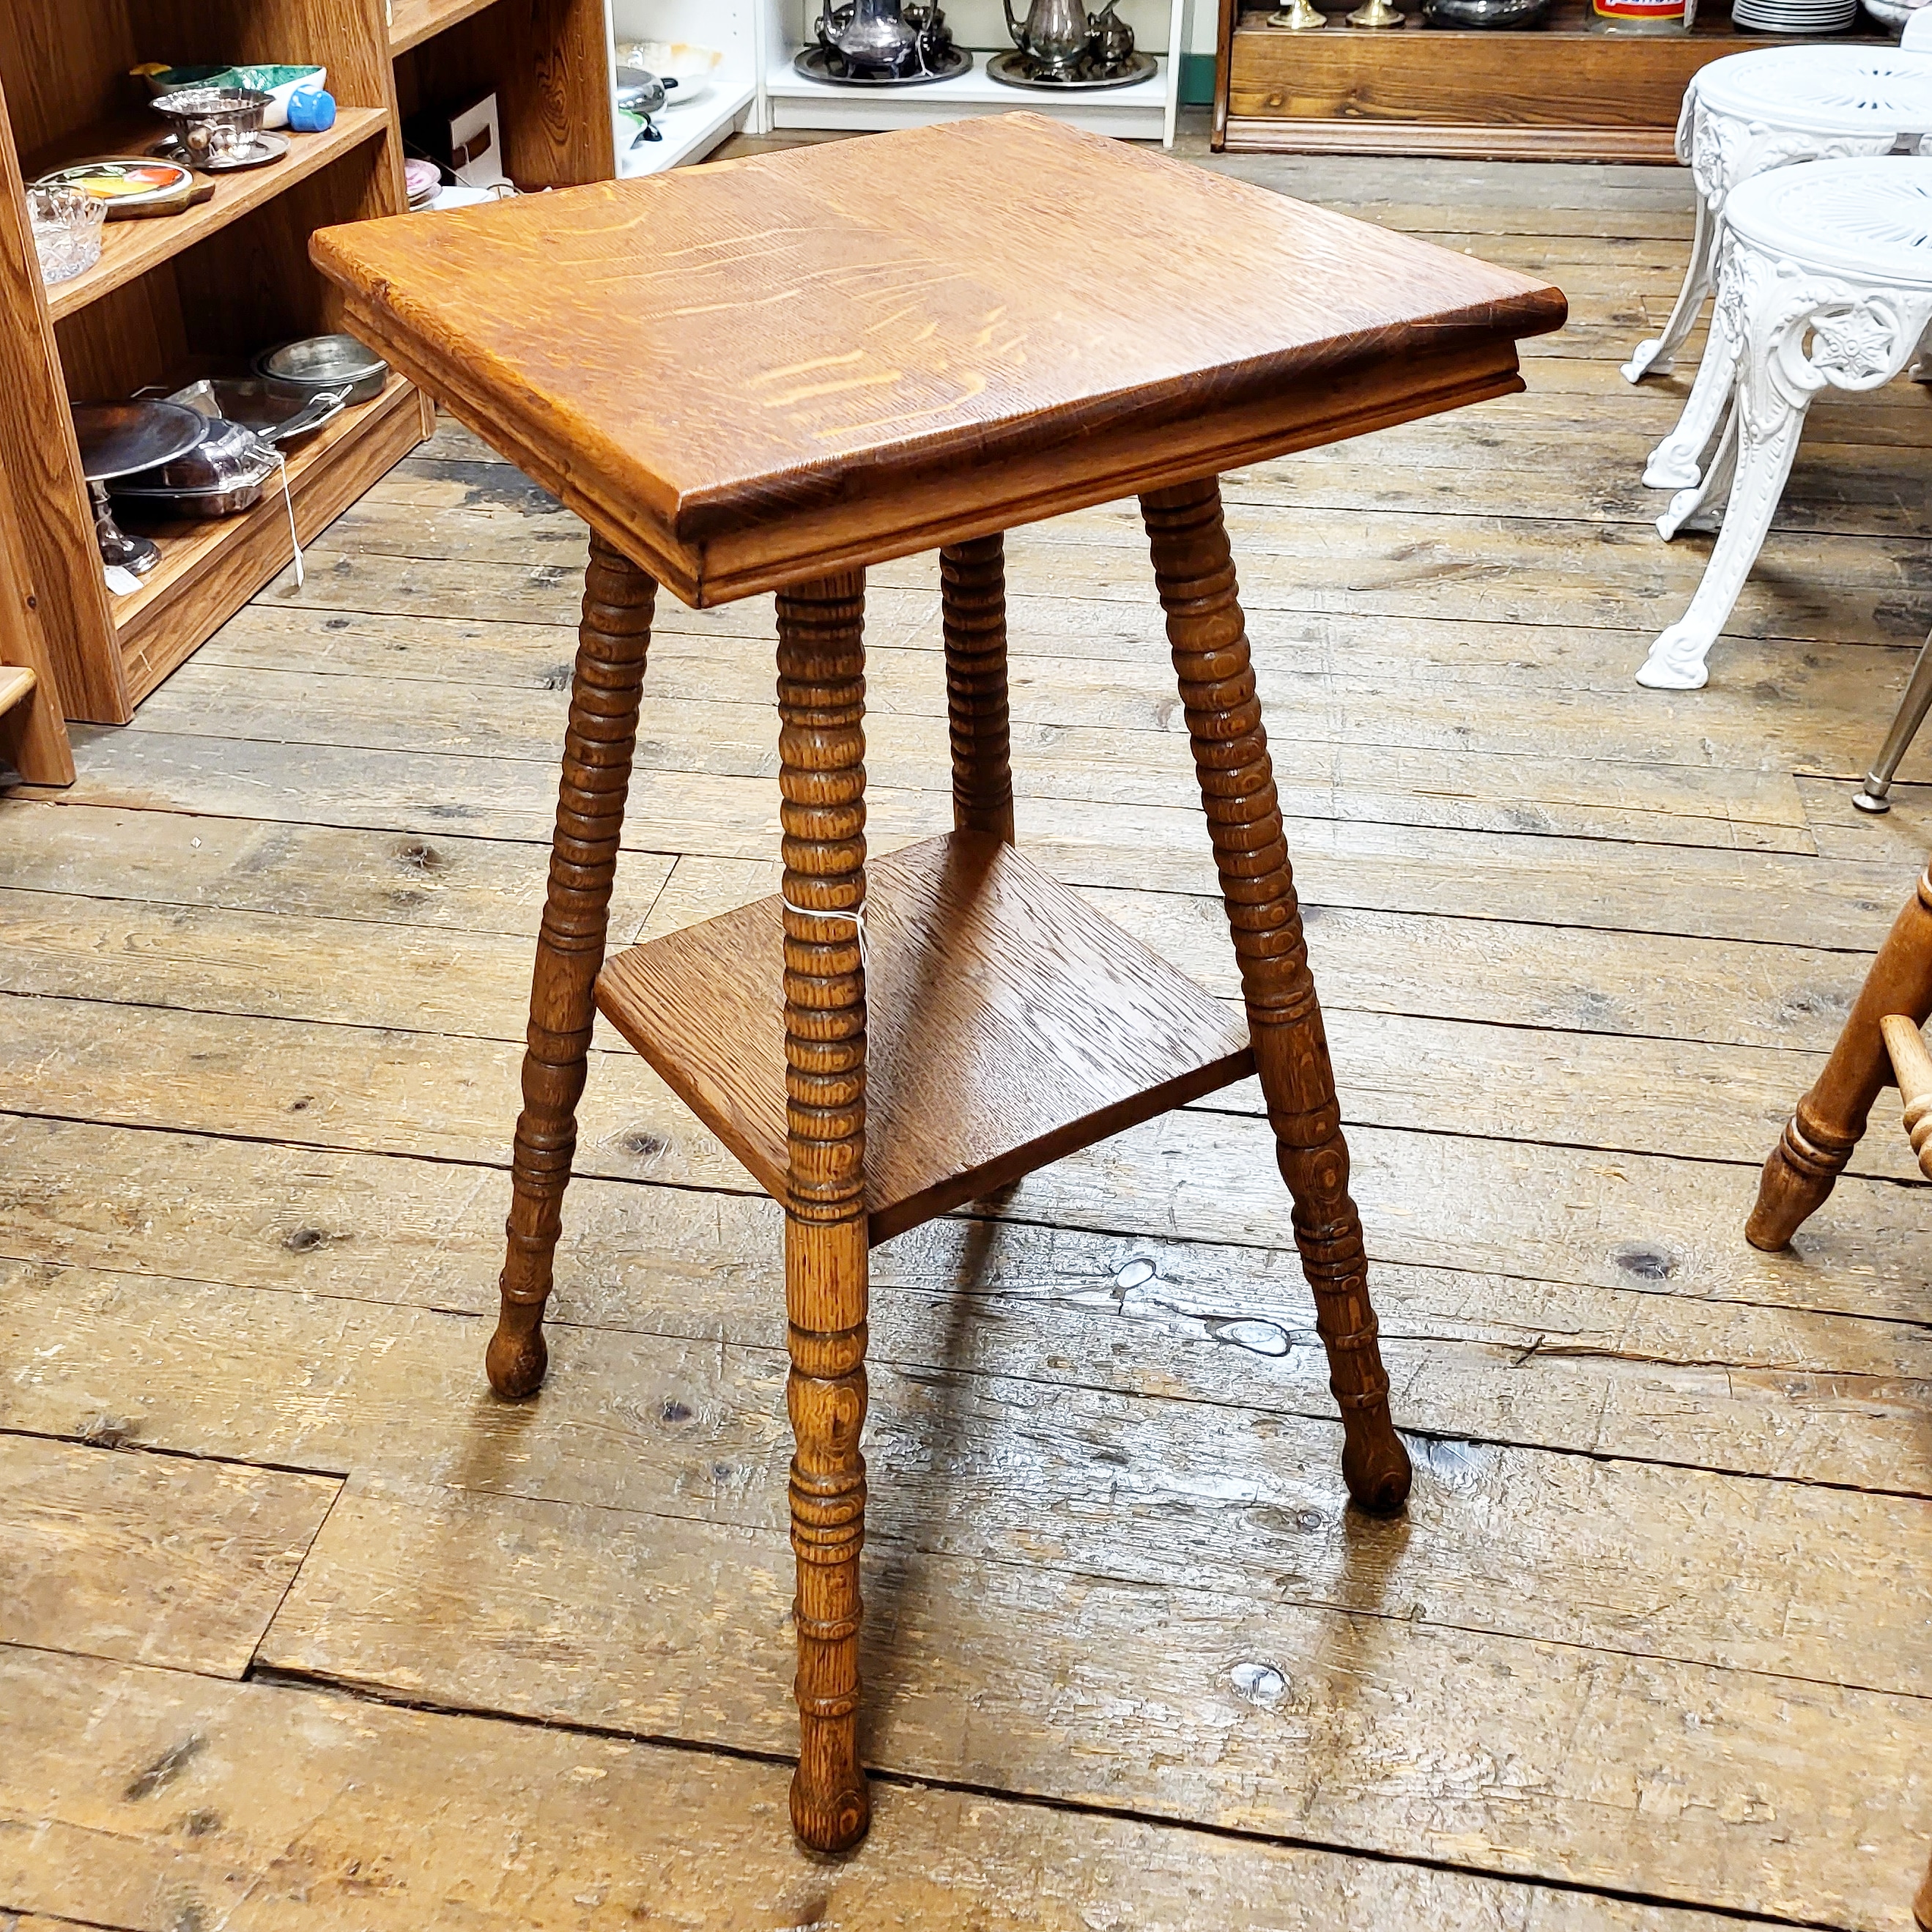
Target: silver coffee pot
1054 36
872 37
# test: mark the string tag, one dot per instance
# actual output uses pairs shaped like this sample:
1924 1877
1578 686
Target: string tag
282 465
857 920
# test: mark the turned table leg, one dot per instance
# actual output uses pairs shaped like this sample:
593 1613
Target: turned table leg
619 599
1829 1120
1196 574
972 602
821 748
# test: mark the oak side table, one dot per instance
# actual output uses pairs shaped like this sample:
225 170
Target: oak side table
765 375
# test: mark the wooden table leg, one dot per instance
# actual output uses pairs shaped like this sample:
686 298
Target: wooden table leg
619 600
1830 1119
822 776
1195 573
973 601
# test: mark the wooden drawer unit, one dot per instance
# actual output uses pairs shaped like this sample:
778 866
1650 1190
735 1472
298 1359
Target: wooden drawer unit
1555 92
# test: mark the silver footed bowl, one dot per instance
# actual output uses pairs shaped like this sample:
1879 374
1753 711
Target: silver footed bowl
1486 13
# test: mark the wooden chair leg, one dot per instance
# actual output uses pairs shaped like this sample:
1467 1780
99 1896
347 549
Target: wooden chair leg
1830 1119
618 600
1205 627
973 600
822 776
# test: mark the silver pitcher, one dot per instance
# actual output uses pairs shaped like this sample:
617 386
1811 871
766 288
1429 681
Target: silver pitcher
1055 35
875 39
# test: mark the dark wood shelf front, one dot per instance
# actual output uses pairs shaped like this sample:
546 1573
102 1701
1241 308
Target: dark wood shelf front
1556 90
1007 1024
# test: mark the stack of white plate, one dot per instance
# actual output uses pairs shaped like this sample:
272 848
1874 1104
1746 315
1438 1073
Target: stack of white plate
1795 16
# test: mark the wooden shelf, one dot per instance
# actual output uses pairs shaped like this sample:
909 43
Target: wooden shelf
1556 90
412 22
211 568
1007 1024
17 686
131 248
205 290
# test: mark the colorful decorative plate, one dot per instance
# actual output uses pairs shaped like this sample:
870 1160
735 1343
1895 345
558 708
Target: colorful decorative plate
127 184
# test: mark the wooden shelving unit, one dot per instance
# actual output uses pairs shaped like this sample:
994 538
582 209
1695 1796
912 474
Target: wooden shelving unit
412 22
197 293
548 62
1555 92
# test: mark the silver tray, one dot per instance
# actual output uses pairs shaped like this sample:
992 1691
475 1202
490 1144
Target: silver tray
260 152
814 64
1009 69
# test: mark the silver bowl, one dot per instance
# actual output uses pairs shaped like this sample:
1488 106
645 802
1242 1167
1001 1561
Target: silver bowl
1486 13
212 123
317 362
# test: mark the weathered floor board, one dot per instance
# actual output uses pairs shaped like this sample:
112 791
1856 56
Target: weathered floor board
1646 1654
608 1835
150 1559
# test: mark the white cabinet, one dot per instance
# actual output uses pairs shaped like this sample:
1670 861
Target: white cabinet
698 115
756 89
1144 111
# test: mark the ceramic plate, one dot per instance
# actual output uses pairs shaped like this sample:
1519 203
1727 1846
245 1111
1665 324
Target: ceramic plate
123 182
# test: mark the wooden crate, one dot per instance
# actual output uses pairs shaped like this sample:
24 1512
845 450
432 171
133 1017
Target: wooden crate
1555 92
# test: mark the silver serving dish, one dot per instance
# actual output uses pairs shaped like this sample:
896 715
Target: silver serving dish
213 124
318 362
882 43
224 474
119 439
278 412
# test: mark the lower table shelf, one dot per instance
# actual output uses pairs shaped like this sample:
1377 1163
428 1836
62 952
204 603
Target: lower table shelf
1008 1024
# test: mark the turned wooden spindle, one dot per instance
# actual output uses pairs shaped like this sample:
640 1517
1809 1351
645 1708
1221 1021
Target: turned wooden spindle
1829 1121
1196 574
618 600
822 776
972 602
1911 1070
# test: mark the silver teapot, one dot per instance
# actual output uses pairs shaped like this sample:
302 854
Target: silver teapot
1054 36
1113 40
871 37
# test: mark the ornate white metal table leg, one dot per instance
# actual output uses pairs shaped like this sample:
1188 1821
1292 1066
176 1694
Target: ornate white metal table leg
1827 279
1676 462
1658 356
1701 508
1765 446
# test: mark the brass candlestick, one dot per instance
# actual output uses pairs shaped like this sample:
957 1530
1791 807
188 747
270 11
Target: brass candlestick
1375 14
1299 18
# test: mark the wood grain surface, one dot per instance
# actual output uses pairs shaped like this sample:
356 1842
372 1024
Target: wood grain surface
149 1559
886 381
1008 1024
611 1830
1645 1654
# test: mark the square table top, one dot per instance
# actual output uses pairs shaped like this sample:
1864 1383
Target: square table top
751 373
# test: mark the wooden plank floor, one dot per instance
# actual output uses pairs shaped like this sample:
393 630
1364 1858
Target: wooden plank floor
301 1629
